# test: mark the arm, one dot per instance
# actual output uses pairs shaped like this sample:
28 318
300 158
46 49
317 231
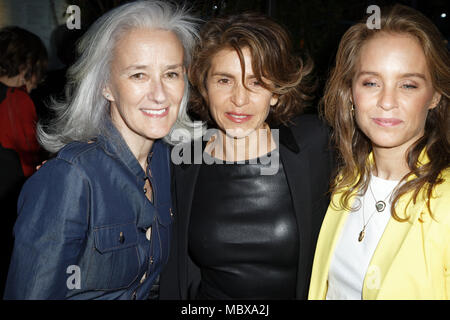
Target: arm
49 232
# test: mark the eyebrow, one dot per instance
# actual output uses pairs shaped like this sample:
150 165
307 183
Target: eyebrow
140 67
224 74
404 75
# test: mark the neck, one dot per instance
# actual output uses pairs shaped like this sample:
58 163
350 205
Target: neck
141 152
390 163
12 82
139 146
252 146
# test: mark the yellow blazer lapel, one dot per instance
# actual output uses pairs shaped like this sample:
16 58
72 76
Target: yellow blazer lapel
393 238
389 245
334 220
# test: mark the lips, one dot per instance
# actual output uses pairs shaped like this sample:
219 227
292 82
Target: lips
238 117
156 113
387 122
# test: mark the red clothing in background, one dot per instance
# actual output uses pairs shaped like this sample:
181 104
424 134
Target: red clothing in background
18 126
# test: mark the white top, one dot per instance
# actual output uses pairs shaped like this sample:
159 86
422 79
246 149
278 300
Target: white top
351 258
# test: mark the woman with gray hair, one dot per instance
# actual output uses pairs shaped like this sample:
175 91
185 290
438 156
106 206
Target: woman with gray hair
95 221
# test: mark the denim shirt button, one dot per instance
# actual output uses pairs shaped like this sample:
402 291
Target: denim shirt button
151 260
143 278
134 295
121 237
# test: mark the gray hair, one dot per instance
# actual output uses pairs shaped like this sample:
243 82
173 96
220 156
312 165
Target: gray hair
81 117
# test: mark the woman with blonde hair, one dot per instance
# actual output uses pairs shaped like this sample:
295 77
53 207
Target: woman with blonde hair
386 234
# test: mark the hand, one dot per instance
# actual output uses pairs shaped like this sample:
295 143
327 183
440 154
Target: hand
39 166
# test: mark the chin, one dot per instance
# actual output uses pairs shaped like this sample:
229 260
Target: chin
387 143
238 133
157 134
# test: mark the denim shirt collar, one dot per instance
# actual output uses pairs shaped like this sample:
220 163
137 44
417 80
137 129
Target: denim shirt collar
115 145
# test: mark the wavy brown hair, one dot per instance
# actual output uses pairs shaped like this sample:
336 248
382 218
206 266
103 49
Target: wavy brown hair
353 146
272 58
21 50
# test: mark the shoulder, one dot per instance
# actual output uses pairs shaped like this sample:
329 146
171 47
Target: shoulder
71 161
20 94
312 121
76 151
440 201
442 190
310 131
309 125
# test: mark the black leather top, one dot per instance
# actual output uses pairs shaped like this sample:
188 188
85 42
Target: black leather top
243 233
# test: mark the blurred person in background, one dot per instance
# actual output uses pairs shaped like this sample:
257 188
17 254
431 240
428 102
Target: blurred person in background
23 62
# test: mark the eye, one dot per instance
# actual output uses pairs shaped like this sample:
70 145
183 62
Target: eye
223 81
255 83
409 86
172 75
138 76
369 84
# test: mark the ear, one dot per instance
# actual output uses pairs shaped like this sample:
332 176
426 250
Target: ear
108 94
435 101
274 99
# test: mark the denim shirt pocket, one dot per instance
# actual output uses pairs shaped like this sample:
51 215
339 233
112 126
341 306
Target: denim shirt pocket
114 263
165 214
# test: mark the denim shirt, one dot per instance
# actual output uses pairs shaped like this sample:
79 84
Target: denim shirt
82 222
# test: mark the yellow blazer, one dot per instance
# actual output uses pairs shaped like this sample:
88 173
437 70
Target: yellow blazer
411 260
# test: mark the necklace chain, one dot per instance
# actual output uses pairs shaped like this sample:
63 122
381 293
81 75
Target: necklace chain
380 205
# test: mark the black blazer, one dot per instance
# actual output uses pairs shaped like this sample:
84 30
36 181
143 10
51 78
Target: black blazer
308 163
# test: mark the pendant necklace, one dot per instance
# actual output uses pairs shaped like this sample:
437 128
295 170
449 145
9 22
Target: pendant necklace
380 205
363 231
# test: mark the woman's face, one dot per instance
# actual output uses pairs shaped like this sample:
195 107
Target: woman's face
236 110
146 85
392 91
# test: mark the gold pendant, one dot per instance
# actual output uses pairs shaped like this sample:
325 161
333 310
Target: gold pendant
361 235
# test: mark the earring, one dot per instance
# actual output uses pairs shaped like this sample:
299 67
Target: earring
107 96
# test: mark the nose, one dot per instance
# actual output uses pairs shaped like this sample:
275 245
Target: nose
240 95
387 99
157 91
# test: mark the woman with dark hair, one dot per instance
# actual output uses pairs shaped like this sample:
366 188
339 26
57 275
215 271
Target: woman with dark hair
248 213
386 234
23 61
